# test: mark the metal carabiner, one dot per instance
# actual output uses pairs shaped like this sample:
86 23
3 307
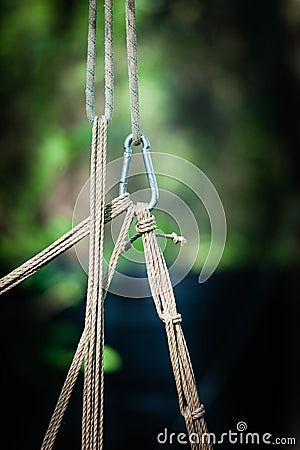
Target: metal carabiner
148 166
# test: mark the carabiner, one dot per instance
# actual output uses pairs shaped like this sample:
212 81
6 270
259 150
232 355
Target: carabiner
148 166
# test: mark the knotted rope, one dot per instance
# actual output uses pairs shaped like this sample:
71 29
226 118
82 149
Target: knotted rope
164 300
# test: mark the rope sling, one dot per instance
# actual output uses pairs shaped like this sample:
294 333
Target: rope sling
90 349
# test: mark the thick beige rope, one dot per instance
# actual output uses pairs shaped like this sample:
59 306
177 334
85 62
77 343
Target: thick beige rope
164 300
30 267
93 369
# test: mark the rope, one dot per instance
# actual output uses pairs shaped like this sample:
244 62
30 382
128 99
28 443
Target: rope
132 57
93 370
30 267
164 300
173 236
108 60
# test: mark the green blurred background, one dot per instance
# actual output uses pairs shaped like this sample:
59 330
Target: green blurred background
219 86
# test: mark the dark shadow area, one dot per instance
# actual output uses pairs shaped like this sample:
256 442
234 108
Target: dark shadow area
243 345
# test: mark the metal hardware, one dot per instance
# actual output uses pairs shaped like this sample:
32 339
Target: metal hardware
148 166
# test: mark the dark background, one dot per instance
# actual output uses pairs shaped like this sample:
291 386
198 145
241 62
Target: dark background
219 86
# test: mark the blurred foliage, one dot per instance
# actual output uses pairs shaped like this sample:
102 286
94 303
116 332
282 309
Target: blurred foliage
58 351
217 85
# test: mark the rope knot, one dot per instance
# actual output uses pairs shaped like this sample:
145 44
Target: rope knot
174 318
194 415
178 239
145 225
198 413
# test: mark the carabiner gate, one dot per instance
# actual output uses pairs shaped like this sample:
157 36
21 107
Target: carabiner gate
148 166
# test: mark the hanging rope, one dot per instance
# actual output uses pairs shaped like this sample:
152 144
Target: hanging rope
164 300
91 346
132 59
78 358
108 60
93 369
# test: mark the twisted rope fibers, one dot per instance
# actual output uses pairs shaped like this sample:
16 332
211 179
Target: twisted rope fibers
108 61
132 60
165 304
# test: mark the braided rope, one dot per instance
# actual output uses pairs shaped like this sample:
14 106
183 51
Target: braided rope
108 61
132 59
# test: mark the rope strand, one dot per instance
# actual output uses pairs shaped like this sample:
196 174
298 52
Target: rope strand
108 61
165 304
91 61
132 59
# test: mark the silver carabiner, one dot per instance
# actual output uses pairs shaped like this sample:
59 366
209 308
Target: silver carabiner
148 166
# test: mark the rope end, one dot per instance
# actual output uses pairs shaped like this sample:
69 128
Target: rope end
178 239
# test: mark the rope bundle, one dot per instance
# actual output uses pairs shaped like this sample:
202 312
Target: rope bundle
164 300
